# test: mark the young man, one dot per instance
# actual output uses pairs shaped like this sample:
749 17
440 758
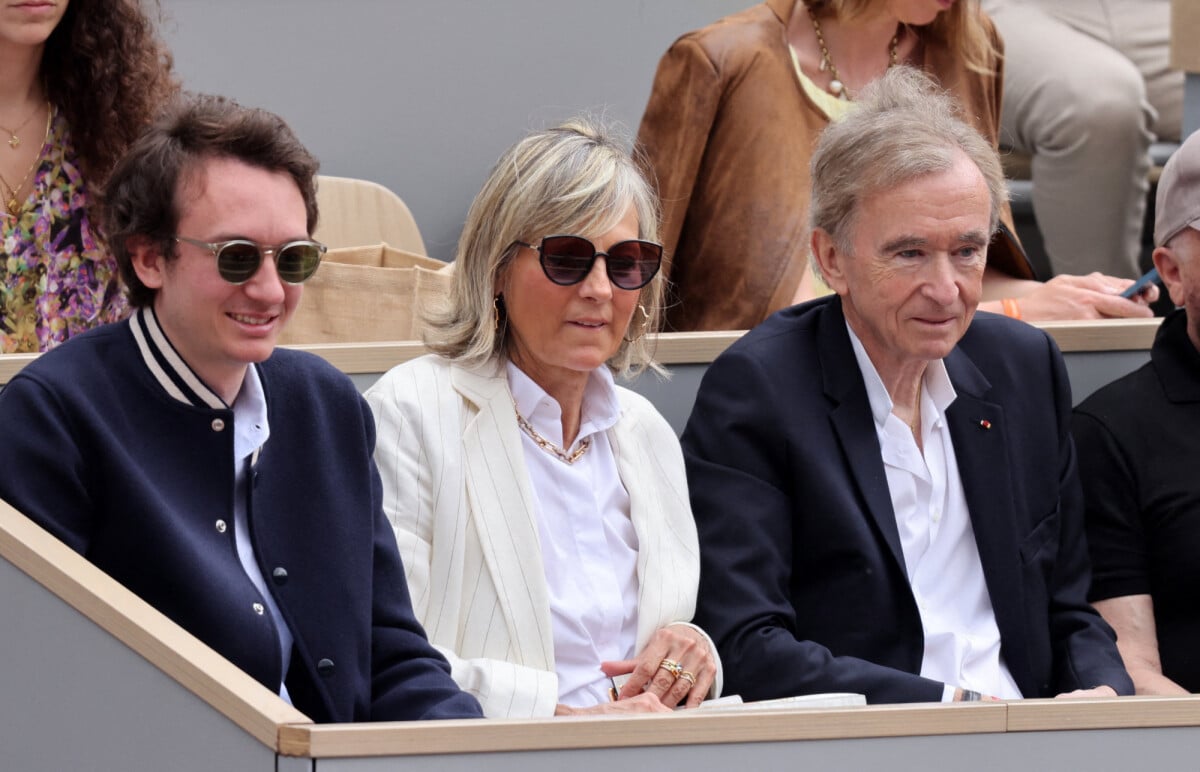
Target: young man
228 484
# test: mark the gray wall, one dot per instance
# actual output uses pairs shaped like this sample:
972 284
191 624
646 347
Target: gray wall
423 95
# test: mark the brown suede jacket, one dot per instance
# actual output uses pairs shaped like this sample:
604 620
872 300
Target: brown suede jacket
728 135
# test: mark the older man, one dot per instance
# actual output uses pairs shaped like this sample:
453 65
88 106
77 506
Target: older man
1137 460
884 484
228 484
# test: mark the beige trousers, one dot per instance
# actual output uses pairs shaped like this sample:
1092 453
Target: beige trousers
1086 90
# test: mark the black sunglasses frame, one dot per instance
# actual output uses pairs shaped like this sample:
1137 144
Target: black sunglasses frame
218 247
608 263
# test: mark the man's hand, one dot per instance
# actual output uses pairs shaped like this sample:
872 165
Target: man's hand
642 703
966 695
1078 694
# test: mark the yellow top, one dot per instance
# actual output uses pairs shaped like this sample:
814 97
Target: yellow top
834 108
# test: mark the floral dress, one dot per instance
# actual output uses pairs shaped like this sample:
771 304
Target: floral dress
57 278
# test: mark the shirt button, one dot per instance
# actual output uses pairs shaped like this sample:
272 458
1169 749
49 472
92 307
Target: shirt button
221 526
325 667
218 425
280 575
258 608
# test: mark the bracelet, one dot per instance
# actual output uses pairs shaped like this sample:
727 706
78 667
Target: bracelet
1011 309
971 696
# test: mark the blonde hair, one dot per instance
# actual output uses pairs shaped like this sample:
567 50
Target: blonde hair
960 29
578 178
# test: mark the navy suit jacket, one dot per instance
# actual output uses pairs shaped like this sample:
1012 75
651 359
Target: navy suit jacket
802 581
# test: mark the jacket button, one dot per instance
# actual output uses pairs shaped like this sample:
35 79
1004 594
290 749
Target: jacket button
325 667
218 425
221 526
258 608
280 575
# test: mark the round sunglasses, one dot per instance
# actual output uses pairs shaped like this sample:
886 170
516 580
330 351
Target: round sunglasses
239 259
567 260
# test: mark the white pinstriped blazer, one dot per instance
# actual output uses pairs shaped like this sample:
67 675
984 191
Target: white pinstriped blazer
457 491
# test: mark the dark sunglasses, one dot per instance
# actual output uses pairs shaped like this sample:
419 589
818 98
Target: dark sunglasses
567 260
239 259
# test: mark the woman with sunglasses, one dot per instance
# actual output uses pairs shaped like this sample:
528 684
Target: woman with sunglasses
79 80
542 510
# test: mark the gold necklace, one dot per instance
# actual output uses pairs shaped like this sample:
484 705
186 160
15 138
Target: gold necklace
13 140
13 205
547 445
836 86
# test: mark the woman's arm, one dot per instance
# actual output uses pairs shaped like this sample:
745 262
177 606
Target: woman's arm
1094 296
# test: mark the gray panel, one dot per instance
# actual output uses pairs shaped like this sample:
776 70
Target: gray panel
424 95
674 397
294 764
73 697
1089 370
1191 103
1095 751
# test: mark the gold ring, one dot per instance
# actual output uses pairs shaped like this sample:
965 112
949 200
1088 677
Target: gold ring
688 676
671 666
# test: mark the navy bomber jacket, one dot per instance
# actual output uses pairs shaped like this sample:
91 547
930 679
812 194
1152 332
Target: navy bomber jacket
116 447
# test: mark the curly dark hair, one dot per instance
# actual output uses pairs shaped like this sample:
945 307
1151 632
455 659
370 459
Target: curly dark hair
109 74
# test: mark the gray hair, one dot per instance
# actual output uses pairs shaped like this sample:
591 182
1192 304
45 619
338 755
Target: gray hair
903 127
576 178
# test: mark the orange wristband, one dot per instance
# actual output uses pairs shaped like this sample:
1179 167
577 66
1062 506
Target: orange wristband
1011 308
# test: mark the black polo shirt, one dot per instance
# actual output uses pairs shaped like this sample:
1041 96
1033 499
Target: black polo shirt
1138 442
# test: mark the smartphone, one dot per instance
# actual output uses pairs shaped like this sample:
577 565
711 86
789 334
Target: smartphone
1139 286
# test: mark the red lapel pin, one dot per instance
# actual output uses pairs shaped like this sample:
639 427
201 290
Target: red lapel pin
985 424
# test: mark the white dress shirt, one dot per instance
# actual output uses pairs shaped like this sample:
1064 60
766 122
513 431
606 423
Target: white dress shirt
589 547
250 432
962 641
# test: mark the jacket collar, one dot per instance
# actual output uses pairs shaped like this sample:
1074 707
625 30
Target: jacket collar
167 367
1176 361
854 424
498 487
783 9
981 437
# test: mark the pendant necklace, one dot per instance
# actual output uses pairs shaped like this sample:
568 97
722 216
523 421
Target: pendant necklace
12 203
14 141
836 86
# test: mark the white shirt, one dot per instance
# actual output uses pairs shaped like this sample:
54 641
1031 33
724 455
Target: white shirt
589 547
941 558
250 432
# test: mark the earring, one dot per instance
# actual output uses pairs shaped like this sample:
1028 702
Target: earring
645 325
496 303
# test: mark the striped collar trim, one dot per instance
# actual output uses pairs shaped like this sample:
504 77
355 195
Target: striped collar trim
167 367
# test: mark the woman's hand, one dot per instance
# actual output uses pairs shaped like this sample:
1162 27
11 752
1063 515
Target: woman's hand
1094 296
679 644
641 703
